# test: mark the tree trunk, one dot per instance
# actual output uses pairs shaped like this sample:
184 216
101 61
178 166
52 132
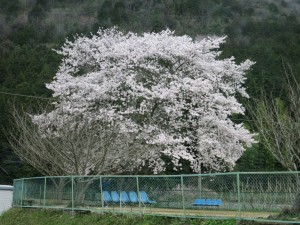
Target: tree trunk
60 185
81 186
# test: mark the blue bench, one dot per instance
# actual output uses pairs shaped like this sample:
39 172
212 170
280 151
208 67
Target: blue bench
145 199
208 202
114 198
107 199
124 197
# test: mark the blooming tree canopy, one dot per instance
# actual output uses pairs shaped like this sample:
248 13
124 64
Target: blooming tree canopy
171 94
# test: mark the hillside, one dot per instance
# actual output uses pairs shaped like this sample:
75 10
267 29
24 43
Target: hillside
265 31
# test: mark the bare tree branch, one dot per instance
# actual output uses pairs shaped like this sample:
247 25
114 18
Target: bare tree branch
278 124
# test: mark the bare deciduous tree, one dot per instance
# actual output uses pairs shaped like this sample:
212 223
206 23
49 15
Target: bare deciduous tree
88 149
278 124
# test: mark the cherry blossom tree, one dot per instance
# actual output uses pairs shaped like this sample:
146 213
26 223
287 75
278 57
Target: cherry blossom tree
90 149
170 94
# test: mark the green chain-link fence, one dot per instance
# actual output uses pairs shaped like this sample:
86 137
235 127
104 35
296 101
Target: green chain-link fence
250 196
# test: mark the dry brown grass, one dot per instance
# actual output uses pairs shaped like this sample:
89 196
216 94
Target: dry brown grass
188 212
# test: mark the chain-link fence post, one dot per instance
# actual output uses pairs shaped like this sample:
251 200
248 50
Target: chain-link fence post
182 193
138 192
101 193
200 181
22 192
238 194
45 183
72 189
14 192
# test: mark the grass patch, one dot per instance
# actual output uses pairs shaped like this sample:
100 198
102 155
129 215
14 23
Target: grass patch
16 216
286 215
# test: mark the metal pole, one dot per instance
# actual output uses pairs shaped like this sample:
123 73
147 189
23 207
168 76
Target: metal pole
120 196
40 197
72 179
138 191
238 195
14 192
200 180
45 183
22 192
182 194
101 193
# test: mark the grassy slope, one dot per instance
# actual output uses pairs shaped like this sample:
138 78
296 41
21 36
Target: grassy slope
51 217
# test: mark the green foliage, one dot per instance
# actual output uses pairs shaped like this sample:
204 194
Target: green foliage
37 13
266 32
24 70
257 158
49 217
216 222
10 6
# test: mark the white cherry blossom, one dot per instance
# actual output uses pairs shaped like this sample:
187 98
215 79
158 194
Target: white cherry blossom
172 93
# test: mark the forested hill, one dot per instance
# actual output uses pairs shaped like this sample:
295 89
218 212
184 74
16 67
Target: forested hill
265 31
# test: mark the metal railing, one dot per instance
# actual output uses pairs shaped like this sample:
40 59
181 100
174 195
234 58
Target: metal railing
248 196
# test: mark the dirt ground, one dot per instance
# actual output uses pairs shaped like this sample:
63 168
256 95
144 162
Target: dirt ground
188 212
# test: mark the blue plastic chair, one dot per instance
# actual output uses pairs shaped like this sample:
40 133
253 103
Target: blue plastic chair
133 197
208 202
213 202
106 197
124 197
145 200
115 197
199 202
218 202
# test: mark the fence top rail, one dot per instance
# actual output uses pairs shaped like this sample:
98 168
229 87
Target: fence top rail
162 176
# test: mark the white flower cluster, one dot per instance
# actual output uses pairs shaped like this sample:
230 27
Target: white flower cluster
171 92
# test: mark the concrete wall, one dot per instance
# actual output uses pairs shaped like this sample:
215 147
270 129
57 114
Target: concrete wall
6 196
